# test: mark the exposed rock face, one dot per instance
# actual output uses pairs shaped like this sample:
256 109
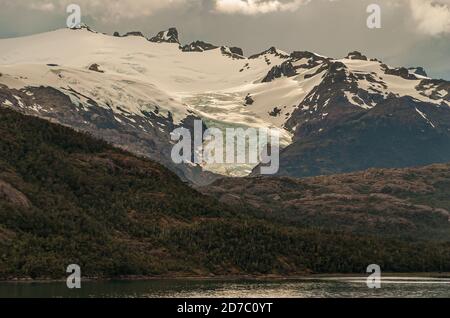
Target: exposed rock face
146 135
298 60
350 121
418 71
403 72
355 55
273 50
285 69
237 50
198 46
95 68
233 52
320 95
134 33
168 36
333 100
327 97
313 58
435 89
275 112
249 100
397 132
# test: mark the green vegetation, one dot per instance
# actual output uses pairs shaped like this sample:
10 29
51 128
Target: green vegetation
410 204
66 198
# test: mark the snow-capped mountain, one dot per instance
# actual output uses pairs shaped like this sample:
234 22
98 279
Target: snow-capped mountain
133 91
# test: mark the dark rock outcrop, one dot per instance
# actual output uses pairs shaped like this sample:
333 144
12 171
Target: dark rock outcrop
435 89
298 55
273 50
233 52
198 46
95 68
285 69
355 55
249 100
418 71
167 36
237 50
403 72
395 133
147 134
298 60
134 33
275 112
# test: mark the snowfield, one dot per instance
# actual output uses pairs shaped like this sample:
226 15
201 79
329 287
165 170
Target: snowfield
135 76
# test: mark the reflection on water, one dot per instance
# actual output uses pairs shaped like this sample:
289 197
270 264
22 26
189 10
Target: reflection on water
300 288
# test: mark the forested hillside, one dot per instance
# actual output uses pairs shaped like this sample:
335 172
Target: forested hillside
67 198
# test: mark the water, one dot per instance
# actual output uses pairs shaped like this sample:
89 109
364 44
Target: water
336 287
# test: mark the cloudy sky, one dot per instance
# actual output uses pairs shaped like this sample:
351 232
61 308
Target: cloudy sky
413 32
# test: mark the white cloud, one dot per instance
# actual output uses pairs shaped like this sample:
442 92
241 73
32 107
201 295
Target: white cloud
251 7
431 17
102 9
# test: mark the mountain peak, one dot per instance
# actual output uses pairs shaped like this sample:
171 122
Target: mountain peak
298 55
233 52
272 50
355 55
198 46
167 36
418 71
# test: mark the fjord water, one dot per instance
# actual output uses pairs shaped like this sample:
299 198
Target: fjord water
415 287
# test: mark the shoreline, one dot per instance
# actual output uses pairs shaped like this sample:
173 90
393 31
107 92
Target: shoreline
305 276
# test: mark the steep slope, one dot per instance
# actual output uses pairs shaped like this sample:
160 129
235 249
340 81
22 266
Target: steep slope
364 114
67 198
396 133
148 87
